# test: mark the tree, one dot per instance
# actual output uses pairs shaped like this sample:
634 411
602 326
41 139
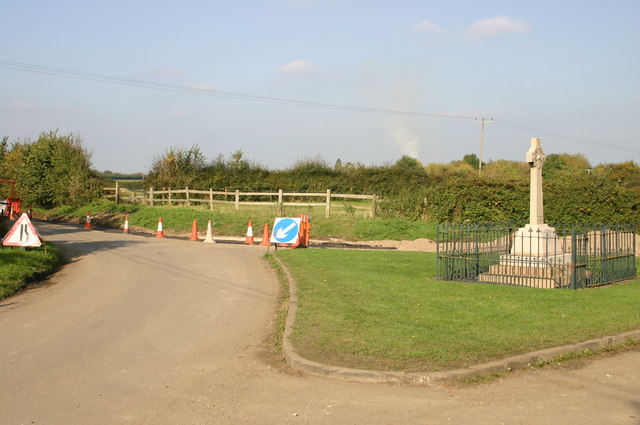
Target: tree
338 165
407 162
472 160
54 171
178 167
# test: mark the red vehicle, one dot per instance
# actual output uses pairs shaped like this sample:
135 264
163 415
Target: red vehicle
10 206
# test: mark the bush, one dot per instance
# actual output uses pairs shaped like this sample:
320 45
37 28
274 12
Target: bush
52 171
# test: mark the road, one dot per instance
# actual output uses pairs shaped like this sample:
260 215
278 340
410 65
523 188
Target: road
138 330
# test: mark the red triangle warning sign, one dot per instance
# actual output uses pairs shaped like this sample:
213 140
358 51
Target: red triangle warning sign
23 233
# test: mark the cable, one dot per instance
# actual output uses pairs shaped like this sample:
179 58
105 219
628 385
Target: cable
530 130
109 79
59 72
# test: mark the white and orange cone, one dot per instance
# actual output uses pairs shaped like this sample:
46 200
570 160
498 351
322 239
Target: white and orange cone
126 229
209 237
160 232
265 236
194 231
249 239
87 223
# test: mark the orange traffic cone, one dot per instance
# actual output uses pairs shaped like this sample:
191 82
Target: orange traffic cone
209 237
87 223
194 231
249 239
125 229
265 236
160 232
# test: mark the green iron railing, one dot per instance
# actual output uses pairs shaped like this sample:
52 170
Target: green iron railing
569 257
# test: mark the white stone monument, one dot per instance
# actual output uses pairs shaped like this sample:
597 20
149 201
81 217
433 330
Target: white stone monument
536 257
536 239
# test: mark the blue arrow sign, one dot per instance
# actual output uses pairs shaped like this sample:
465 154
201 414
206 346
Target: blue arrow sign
285 230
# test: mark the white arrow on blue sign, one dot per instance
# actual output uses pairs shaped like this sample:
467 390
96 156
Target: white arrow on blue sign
285 230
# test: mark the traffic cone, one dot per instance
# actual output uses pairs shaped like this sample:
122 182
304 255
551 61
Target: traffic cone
265 236
194 231
125 229
249 239
160 232
209 237
87 223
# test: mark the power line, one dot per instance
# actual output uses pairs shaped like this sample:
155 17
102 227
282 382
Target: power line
572 139
67 73
155 85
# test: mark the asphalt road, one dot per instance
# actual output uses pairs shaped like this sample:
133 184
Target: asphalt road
138 330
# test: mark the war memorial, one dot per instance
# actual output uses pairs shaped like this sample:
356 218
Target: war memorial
537 254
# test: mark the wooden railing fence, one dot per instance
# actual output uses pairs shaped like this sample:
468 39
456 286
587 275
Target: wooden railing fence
190 197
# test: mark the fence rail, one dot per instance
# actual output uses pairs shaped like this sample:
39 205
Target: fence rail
188 196
574 257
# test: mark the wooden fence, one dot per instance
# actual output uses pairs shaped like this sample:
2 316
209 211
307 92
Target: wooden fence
190 197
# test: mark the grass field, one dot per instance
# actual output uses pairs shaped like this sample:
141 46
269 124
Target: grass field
384 310
227 222
18 266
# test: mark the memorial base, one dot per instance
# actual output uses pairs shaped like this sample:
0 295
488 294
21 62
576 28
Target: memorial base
536 240
548 272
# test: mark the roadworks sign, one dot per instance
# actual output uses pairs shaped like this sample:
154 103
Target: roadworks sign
285 230
23 234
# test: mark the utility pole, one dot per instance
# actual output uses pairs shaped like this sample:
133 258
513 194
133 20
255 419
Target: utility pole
483 121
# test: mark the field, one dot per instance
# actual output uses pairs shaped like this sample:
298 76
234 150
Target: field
227 222
384 310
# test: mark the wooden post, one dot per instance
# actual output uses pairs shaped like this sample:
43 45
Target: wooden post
169 196
151 196
327 210
117 198
211 199
280 206
237 200
186 191
374 205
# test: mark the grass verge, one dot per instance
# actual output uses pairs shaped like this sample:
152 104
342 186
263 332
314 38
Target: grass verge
383 310
275 341
227 222
20 266
560 361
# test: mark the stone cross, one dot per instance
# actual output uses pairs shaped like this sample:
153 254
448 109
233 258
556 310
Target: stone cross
535 158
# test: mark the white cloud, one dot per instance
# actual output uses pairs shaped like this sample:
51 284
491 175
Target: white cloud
297 66
162 72
428 27
202 87
301 3
494 27
22 104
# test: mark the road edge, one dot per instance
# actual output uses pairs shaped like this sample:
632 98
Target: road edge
301 364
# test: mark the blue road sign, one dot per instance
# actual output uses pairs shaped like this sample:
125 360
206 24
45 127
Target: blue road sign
285 230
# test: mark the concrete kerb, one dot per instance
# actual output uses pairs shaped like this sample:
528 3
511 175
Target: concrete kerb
417 378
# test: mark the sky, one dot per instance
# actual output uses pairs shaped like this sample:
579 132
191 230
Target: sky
289 80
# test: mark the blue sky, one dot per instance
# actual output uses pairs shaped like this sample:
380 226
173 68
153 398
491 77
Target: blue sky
565 71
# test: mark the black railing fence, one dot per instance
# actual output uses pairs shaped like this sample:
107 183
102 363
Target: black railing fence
560 257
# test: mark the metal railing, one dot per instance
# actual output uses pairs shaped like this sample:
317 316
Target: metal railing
565 257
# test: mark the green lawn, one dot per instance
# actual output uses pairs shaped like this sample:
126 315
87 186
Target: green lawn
227 222
18 266
383 310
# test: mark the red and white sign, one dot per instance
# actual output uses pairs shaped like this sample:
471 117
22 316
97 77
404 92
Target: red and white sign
23 233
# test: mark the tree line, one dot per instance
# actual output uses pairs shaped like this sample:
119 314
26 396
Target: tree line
56 170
